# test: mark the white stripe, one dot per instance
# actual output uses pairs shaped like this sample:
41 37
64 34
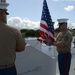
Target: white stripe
44 22
41 38
42 29
47 32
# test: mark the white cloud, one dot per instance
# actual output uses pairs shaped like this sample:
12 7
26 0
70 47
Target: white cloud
73 25
69 8
28 24
23 23
56 25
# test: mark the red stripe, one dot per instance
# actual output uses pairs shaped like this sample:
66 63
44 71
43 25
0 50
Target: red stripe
44 26
51 38
44 35
47 31
39 40
65 64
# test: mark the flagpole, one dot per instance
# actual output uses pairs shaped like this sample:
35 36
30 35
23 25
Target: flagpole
36 44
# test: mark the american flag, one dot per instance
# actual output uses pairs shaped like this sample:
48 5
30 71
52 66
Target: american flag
46 25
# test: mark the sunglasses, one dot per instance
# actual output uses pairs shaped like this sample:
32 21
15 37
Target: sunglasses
4 11
60 24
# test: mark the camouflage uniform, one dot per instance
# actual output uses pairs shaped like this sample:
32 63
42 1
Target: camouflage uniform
64 53
66 38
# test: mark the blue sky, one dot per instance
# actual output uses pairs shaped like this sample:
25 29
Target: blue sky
30 10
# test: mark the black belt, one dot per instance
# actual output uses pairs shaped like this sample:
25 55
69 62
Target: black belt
6 66
64 52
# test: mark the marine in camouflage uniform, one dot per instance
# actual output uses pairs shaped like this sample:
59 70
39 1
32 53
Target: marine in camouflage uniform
64 53
63 44
66 38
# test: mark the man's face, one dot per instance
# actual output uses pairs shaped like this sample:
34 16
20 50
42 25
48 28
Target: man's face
61 27
3 16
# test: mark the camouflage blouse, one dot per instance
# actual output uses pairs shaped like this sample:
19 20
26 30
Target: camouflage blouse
66 38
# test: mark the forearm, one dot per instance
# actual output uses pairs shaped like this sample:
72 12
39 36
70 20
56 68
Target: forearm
58 44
